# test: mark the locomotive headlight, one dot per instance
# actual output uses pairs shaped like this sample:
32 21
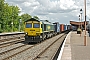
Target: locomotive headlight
26 33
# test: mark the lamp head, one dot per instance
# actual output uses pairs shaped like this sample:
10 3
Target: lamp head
81 11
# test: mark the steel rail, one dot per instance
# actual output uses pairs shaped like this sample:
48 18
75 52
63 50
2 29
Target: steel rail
18 52
47 48
10 43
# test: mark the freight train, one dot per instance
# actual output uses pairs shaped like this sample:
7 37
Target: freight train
39 30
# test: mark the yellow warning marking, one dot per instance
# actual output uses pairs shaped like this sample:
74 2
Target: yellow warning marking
48 27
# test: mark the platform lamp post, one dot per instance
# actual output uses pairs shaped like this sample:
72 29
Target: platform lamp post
81 18
20 24
85 22
79 21
12 18
12 25
79 25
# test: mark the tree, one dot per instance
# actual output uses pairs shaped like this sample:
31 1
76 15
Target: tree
15 17
24 17
1 12
47 20
36 17
9 18
8 14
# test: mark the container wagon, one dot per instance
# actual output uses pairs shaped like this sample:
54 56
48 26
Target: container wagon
57 27
65 27
69 27
61 27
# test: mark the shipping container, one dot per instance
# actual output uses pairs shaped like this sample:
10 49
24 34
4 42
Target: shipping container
61 27
57 27
69 27
74 28
65 27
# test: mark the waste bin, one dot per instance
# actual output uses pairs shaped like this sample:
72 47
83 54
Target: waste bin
78 31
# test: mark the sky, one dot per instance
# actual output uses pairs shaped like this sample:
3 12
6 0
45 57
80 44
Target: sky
62 11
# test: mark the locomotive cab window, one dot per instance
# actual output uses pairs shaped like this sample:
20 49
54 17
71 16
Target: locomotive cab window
36 25
41 25
28 25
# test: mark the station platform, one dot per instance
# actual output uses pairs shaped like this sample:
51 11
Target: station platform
74 47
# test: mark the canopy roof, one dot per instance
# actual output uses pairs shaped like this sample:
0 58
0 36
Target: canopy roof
77 23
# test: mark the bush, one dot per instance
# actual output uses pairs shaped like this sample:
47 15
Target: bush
1 31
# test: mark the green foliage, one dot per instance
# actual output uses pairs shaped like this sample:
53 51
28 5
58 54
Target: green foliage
24 17
35 17
8 14
9 18
47 20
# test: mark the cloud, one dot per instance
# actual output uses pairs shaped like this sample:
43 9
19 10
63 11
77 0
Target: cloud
54 10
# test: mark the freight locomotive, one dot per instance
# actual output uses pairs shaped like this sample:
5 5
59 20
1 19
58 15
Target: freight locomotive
38 30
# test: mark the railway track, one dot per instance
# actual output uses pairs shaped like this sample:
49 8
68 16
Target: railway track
12 52
10 47
48 53
8 39
5 44
32 52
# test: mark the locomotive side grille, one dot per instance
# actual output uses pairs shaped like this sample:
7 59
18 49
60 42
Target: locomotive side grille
32 30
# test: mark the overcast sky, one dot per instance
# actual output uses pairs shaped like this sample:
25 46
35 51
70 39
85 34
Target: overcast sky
61 11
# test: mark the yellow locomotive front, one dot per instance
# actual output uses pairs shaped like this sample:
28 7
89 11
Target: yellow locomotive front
33 28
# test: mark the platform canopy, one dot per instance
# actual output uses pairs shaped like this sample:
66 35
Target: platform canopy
78 23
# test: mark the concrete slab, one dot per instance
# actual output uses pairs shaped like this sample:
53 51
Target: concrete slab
74 48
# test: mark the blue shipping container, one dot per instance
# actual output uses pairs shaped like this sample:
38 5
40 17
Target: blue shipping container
57 27
65 27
